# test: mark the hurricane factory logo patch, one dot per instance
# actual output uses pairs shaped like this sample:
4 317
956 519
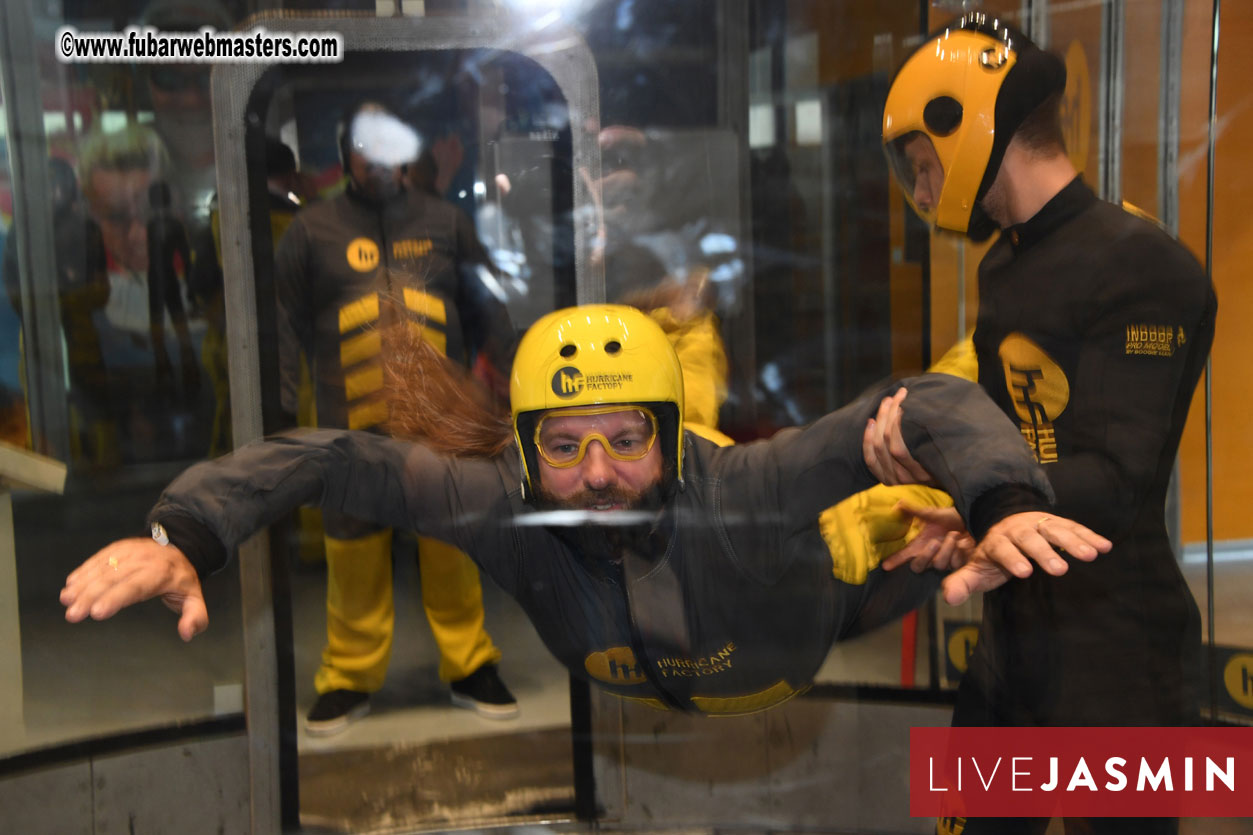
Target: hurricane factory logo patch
568 382
615 665
362 254
1039 391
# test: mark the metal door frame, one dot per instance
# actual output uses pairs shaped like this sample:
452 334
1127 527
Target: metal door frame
559 50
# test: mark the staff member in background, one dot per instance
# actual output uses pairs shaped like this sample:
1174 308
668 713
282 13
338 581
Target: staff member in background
345 269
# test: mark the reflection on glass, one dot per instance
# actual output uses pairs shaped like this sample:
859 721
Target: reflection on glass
742 197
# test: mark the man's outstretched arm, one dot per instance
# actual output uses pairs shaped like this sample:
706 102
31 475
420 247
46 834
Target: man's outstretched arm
214 506
131 571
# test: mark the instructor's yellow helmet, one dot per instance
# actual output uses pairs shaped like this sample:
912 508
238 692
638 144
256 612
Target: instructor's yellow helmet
967 89
596 355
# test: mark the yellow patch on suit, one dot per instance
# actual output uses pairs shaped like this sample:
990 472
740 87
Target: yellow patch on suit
655 704
437 339
368 414
411 248
1037 385
359 348
366 381
709 433
1154 339
866 528
362 254
361 312
775 694
615 665
960 646
431 308
959 361
1039 390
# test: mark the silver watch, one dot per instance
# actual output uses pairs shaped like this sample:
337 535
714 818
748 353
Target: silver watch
159 534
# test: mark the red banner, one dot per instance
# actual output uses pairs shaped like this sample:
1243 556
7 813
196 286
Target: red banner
1081 772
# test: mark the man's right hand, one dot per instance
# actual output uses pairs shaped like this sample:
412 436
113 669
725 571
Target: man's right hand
130 571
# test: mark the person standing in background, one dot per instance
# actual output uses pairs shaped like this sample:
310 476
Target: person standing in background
118 170
169 254
346 268
82 287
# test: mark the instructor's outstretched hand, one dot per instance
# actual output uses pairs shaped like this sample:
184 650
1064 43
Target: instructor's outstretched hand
1010 546
130 571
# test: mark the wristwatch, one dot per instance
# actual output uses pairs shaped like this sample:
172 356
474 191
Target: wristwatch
159 534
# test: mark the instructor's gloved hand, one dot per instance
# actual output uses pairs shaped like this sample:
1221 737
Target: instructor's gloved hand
870 527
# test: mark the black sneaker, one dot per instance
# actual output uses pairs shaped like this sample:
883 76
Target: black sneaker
334 711
483 692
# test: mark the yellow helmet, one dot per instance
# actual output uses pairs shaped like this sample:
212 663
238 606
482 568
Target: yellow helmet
967 89
595 355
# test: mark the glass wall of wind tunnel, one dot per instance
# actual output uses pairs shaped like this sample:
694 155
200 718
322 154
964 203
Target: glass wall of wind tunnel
838 264
743 177
1222 584
100 161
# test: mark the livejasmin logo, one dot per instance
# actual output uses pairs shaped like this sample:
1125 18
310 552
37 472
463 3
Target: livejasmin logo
1021 772
1081 772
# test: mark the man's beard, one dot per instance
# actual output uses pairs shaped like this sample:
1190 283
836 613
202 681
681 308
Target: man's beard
588 499
601 545
378 191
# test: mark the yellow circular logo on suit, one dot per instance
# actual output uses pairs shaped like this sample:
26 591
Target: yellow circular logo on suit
1238 677
960 645
362 254
1037 386
615 665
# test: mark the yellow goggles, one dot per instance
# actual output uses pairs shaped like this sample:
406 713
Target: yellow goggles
564 445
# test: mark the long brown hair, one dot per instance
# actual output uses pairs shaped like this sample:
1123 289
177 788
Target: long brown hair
438 402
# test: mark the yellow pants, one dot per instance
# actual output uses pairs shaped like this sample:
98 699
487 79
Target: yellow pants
360 616
213 355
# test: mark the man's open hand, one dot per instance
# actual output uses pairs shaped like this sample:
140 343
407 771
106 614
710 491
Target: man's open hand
130 571
1011 546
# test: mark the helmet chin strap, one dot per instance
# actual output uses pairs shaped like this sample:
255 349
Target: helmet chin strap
981 226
